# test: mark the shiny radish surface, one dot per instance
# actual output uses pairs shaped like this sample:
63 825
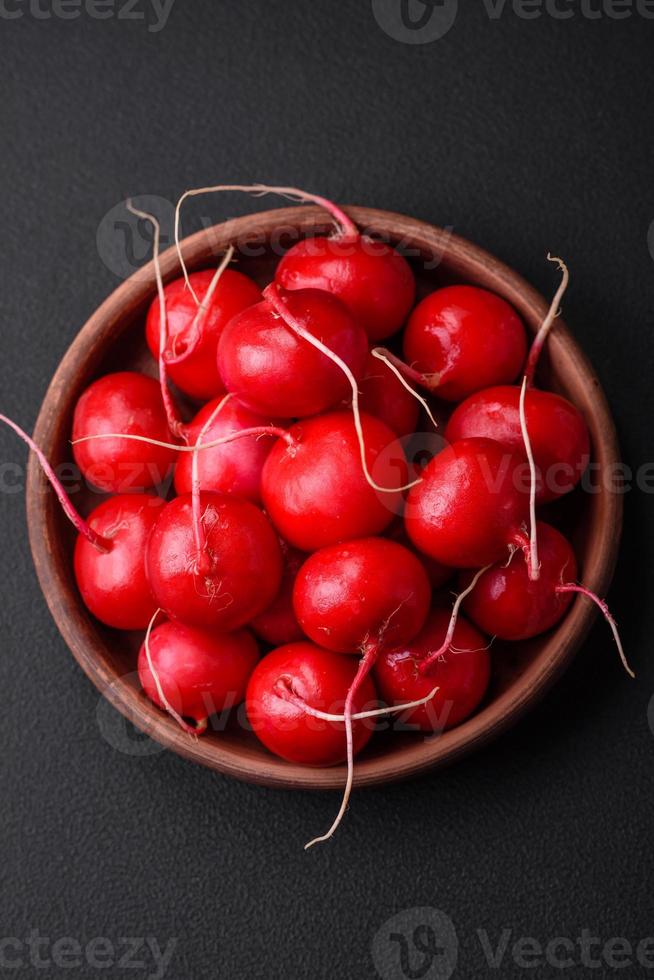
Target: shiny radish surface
371 278
234 467
559 436
368 592
200 672
471 505
461 674
463 339
236 575
385 397
194 331
113 582
122 403
506 603
315 489
275 372
299 674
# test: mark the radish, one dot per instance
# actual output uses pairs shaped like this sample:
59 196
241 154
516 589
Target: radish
221 578
461 673
113 583
193 330
122 403
507 603
559 435
278 625
373 280
359 596
272 371
461 339
437 574
314 488
321 679
470 508
109 561
233 467
383 395
194 673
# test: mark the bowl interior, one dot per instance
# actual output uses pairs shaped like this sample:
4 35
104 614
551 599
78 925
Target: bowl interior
113 339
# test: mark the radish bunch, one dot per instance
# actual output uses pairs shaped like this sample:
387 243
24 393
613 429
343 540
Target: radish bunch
300 561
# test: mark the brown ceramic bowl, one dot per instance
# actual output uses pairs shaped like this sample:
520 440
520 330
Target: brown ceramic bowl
113 339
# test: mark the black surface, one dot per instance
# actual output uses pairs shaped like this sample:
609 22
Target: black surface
524 135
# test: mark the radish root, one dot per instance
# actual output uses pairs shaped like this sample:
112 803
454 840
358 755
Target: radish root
383 355
172 414
581 590
429 662
429 381
272 295
534 563
287 694
346 226
189 729
553 312
365 666
83 527
258 431
195 331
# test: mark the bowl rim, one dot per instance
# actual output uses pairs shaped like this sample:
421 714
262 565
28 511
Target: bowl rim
81 634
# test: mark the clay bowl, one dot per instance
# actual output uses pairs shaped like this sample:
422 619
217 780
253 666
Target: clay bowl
113 339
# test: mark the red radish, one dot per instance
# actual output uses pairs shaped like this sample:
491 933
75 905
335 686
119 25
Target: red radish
507 603
471 506
233 467
234 575
383 395
461 339
461 673
361 594
322 680
274 372
314 487
194 331
277 625
109 552
195 673
558 433
113 583
373 280
127 403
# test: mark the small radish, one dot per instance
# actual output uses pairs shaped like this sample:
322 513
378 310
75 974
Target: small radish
273 371
461 673
319 678
234 467
194 331
278 625
195 673
126 403
507 603
383 395
109 560
360 597
471 506
314 487
222 580
371 592
373 280
558 433
461 339
113 583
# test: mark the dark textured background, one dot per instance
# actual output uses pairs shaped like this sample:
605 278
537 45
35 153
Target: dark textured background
524 136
